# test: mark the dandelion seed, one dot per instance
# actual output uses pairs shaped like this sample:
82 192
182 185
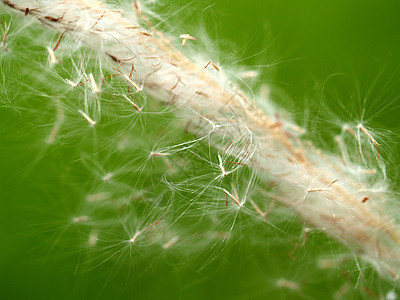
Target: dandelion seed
146 229
305 235
170 242
107 177
249 74
53 58
233 198
342 148
136 6
288 284
53 133
391 272
185 38
129 80
73 84
221 166
80 219
344 289
132 103
95 89
93 238
349 130
268 212
5 37
211 63
56 127
202 94
157 154
98 197
326 263
258 210
369 172
363 129
169 166
91 122
132 240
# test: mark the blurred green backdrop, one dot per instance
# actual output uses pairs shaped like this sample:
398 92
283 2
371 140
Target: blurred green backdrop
317 55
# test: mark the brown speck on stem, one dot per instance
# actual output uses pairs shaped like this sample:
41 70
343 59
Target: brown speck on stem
146 33
52 19
98 19
8 3
211 63
202 94
114 58
58 42
369 292
365 199
333 182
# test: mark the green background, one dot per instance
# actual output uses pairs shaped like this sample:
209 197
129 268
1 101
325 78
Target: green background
336 56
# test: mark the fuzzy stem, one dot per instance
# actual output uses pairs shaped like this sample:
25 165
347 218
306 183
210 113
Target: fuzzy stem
328 192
